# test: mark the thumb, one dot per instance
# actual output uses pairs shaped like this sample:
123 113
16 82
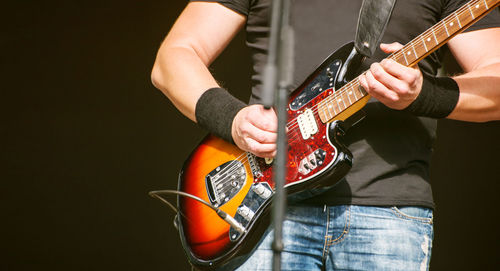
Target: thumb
390 47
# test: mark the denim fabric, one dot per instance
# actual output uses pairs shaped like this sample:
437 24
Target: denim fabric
349 238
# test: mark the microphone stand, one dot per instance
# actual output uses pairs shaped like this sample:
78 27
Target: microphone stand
278 76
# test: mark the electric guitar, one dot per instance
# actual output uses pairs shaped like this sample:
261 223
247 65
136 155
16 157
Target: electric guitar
241 185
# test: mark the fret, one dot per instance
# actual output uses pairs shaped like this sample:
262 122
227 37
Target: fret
420 48
348 94
328 109
336 105
479 9
470 10
341 99
452 25
464 17
399 58
339 104
428 41
404 55
357 89
423 42
445 28
458 19
440 34
486 4
414 51
434 34
353 92
321 113
409 56
344 97
326 116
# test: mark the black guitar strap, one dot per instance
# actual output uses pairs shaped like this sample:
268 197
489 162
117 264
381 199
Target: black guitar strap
373 18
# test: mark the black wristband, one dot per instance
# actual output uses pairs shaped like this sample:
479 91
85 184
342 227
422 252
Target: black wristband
215 111
438 97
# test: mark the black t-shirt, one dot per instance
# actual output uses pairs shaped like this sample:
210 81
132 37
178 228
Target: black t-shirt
391 149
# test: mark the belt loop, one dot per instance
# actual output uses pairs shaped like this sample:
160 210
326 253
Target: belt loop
324 208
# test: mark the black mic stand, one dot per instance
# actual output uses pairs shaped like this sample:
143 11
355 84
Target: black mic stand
277 76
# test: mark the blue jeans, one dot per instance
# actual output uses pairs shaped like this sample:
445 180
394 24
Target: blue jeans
348 237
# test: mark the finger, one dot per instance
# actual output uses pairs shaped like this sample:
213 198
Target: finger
259 149
362 81
390 47
264 119
378 90
259 135
407 74
387 79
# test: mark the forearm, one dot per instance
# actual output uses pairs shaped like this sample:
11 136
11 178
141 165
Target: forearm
182 76
479 99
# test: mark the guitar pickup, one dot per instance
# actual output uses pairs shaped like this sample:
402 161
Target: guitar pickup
307 124
313 160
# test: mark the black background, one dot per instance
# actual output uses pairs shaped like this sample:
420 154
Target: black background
85 136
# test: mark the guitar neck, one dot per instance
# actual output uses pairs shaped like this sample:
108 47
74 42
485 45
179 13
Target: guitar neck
414 51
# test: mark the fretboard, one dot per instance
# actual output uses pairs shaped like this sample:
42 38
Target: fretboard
410 54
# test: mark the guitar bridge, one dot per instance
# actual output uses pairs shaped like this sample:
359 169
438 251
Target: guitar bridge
224 182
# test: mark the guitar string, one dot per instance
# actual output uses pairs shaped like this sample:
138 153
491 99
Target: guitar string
417 41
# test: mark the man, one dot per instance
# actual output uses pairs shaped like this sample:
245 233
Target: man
380 216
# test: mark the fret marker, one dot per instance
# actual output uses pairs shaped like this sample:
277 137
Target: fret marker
339 100
409 53
477 6
451 24
428 39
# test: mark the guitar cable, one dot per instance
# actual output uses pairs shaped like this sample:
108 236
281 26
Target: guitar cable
223 215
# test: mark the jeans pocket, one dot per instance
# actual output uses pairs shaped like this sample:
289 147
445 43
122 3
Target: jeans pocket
419 214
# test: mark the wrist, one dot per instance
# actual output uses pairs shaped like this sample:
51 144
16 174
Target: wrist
215 111
437 98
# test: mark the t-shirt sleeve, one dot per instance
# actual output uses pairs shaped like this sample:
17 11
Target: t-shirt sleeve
492 19
240 6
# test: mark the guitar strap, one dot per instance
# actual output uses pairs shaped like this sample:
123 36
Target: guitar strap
373 18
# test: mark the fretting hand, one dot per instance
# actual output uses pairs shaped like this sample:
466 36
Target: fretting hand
393 84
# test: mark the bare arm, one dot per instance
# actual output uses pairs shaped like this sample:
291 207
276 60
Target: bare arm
181 72
478 54
199 35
